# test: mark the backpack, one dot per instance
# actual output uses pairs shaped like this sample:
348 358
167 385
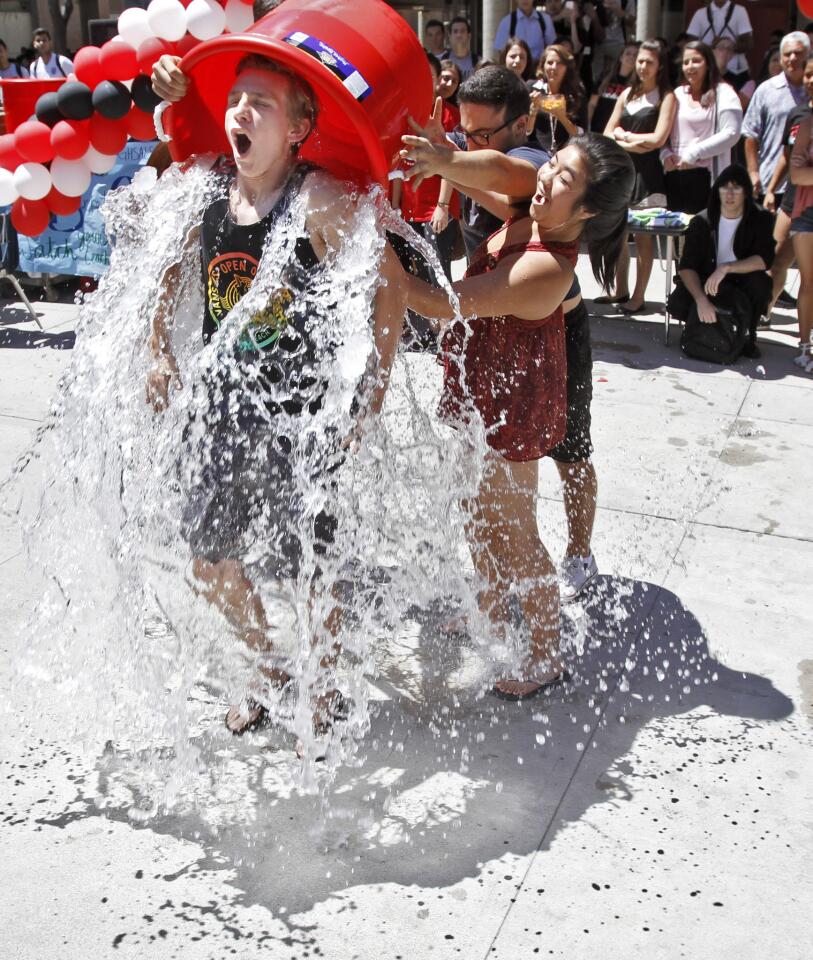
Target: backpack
512 26
720 342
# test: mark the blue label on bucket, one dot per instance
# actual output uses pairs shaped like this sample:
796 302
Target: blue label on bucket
334 61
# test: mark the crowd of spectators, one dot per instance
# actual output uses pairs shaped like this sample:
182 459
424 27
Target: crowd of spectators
686 113
38 62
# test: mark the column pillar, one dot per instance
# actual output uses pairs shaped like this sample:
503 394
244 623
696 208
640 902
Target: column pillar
648 23
493 12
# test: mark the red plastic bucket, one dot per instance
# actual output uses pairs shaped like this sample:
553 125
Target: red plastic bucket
20 97
362 59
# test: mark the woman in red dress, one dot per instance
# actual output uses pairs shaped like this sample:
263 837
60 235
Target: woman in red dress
506 365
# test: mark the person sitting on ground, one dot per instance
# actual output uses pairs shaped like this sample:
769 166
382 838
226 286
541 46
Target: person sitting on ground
48 63
801 175
516 56
508 363
727 246
640 123
558 103
707 124
270 112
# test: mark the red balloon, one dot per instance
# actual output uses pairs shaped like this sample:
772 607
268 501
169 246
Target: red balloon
9 158
30 217
185 44
59 203
118 60
140 125
248 3
108 136
32 140
87 67
70 138
150 51
806 6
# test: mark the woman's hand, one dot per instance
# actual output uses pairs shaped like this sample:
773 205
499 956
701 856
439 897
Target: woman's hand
168 80
770 201
440 219
712 285
706 311
619 134
670 165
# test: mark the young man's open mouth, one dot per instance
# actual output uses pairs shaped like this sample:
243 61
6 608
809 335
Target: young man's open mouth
242 142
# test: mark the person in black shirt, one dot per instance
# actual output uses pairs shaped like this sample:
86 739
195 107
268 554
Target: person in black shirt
238 470
728 245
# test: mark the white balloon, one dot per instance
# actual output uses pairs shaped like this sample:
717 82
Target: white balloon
8 192
70 177
167 19
239 16
205 19
133 26
98 162
32 181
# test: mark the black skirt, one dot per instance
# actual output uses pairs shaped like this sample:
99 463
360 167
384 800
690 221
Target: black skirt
687 191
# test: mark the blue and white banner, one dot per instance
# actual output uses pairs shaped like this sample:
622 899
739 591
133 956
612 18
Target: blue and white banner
76 245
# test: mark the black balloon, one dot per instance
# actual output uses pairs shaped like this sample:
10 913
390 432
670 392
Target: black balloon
75 100
112 99
144 97
47 110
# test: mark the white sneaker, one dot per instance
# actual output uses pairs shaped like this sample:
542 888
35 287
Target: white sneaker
804 358
574 575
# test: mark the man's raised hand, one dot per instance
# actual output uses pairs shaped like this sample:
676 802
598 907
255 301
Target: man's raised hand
168 80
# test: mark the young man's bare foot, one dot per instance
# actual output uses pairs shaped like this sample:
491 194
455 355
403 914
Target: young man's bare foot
537 683
251 715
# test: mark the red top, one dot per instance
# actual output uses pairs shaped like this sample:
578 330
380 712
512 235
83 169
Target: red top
417 206
513 371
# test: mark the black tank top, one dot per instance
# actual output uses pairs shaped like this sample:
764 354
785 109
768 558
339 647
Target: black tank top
278 345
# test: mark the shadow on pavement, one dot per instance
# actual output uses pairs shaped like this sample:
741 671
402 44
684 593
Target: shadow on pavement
638 344
12 338
454 780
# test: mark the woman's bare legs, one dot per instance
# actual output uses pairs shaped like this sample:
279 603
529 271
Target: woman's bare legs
506 549
803 250
644 257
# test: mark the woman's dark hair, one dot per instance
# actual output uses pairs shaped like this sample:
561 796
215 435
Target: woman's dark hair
496 87
662 80
735 173
451 65
610 181
528 72
572 88
712 77
764 70
609 77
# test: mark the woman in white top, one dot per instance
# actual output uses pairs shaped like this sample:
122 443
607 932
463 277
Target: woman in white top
707 125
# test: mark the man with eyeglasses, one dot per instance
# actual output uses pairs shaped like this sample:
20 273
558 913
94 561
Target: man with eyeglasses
494 112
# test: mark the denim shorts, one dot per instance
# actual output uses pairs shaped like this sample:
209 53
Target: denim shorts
803 223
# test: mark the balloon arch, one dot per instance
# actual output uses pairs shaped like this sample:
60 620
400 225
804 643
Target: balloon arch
79 128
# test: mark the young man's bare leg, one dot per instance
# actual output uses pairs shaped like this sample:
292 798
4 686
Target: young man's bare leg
227 585
580 490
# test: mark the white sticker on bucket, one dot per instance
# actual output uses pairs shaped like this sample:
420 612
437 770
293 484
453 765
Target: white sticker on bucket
349 75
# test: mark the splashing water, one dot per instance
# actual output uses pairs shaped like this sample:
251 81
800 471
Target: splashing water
124 647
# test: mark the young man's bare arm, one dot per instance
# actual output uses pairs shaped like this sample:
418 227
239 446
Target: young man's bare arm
163 371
